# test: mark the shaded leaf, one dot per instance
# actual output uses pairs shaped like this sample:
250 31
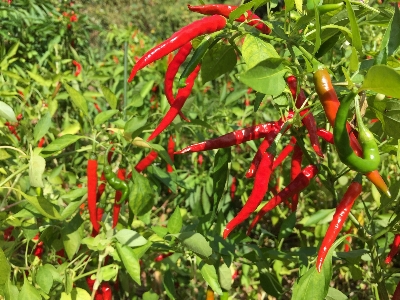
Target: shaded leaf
77 98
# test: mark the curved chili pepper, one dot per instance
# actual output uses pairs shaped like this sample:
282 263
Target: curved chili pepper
233 138
394 249
308 118
371 158
326 135
78 68
225 10
180 100
170 150
295 187
232 189
145 162
117 201
295 170
171 72
330 103
178 39
342 211
284 153
260 188
92 191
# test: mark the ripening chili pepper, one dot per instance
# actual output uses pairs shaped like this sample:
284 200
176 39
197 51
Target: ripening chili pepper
233 187
342 211
92 191
260 188
394 249
180 100
284 153
118 195
326 135
146 161
308 118
41 142
210 294
116 183
295 187
78 68
170 150
225 10
330 103
233 138
97 107
178 39
171 72
162 256
295 170
371 158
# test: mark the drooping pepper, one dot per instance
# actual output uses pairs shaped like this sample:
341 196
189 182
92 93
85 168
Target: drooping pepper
342 211
260 188
145 162
295 187
178 39
284 153
233 188
117 201
295 170
91 173
170 150
371 159
78 68
394 249
326 135
116 183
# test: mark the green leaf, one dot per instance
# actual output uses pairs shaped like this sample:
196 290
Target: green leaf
5 268
318 42
39 79
130 262
382 79
77 98
72 207
270 284
394 40
110 97
225 276
169 285
28 292
168 179
104 116
219 60
150 295
356 40
7 112
210 275
141 197
61 143
37 165
134 125
322 216
130 238
266 77
44 279
353 66
257 101
175 221
45 207
12 50
287 226
240 11
141 250
71 235
334 294
42 127
256 50
195 242
388 112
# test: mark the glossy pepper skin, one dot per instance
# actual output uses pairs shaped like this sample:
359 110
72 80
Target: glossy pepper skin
295 170
233 138
91 173
172 70
146 161
225 10
308 118
257 194
284 153
339 218
394 249
326 135
295 187
176 107
371 158
178 39
330 103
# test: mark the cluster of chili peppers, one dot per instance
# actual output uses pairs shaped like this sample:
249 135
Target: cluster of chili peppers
13 127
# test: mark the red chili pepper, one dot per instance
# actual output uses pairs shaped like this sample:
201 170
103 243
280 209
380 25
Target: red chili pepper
60 253
180 100
284 153
20 117
394 249
396 295
170 149
118 195
296 186
97 107
340 216
163 256
348 239
257 194
73 18
225 10
295 170
200 159
41 142
39 250
233 187
145 162
308 118
92 191
14 131
179 39
106 291
172 70
326 135
78 68
8 234
234 138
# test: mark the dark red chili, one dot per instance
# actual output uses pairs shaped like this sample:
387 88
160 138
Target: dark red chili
179 39
260 188
163 256
180 100
295 187
340 216
284 153
394 249
78 68
233 187
225 10
118 195
295 170
170 150
92 191
396 295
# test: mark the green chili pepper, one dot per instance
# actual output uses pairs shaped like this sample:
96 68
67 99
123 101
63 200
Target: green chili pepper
371 159
115 182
